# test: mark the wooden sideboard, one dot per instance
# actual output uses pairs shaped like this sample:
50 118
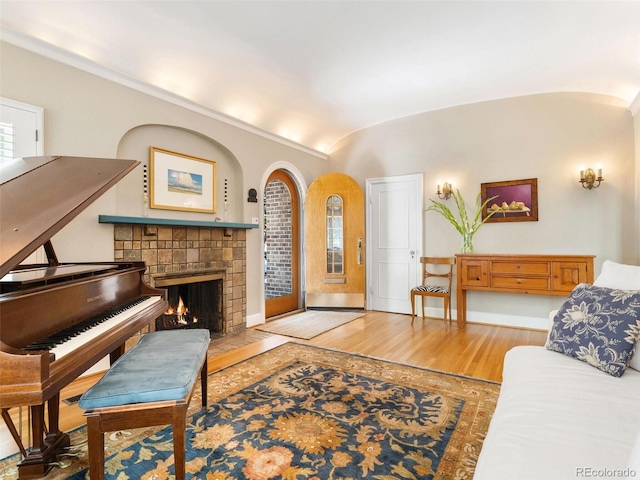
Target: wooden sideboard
529 274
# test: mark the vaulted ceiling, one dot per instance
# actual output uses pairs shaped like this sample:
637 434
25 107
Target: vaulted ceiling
315 71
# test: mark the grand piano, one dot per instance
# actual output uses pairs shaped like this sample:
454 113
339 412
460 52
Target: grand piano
58 319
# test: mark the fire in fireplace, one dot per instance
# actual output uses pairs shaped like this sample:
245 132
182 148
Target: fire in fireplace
195 301
179 316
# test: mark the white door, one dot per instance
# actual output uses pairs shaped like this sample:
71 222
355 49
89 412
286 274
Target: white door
394 233
20 130
21 136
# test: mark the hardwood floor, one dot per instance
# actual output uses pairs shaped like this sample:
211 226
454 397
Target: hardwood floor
476 351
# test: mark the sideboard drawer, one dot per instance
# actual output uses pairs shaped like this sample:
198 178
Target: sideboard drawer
520 283
521 268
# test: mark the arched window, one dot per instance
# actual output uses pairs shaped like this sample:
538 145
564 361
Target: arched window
335 248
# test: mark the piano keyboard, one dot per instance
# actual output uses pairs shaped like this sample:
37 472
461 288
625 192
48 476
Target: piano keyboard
70 339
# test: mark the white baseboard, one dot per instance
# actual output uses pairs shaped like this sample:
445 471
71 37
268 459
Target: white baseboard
496 319
255 319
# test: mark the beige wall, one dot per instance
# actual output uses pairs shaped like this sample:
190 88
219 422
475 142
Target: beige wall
547 137
544 136
89 116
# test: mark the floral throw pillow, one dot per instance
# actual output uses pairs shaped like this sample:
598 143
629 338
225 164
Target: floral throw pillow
599 326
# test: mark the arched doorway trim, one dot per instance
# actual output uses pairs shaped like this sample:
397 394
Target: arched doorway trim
293 172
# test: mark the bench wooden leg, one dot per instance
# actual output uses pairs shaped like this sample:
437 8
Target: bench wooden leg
95 439
179 440
203 382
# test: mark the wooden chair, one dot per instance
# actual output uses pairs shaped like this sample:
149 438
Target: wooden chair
427 290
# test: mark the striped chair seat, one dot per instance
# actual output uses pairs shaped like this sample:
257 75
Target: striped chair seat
430 288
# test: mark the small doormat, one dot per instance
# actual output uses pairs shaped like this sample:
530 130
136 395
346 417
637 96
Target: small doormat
309 324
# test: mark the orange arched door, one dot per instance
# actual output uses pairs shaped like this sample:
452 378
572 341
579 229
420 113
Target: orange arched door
334 243
281 245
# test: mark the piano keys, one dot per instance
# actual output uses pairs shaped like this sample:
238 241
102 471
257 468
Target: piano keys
72 338
97 306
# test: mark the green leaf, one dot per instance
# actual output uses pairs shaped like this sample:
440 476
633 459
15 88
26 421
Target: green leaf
461 222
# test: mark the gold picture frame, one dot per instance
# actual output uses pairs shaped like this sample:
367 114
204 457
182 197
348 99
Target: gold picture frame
181 182
516 200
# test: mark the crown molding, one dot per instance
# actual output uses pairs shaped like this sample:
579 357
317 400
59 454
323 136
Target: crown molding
68 58
635 105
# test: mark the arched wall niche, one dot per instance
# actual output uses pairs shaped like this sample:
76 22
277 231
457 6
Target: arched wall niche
135 145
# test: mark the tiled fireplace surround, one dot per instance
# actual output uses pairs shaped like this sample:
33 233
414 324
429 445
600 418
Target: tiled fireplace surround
169 250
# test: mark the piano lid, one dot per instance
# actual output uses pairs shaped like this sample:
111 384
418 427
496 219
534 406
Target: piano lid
40 195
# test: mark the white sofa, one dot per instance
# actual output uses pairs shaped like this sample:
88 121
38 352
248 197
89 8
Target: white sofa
559 418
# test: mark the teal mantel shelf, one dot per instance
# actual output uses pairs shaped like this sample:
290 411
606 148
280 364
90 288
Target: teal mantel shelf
171 222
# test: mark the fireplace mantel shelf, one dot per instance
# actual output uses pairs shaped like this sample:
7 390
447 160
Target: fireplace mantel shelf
172 222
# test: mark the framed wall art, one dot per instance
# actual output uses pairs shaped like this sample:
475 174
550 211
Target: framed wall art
181 182
516 200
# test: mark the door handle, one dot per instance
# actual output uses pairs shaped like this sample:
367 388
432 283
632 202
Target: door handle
359 250
413 253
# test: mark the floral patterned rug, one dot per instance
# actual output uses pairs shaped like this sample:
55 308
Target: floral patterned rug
301 412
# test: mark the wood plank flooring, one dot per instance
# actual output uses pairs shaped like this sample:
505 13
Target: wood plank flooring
476 351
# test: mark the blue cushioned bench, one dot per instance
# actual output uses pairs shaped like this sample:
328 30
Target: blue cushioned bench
151 384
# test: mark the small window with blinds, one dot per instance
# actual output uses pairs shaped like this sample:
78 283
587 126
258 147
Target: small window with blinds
21 128
6 141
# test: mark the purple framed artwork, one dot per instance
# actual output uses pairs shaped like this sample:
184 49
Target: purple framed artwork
516 200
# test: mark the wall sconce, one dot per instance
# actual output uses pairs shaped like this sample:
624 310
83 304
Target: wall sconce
588 177
446 191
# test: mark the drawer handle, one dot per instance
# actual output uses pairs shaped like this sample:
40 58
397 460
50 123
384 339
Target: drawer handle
519 281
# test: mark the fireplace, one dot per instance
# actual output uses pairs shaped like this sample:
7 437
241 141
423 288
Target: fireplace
195 301
178 252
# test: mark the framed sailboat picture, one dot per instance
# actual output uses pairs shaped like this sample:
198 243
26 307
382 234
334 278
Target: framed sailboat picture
181 182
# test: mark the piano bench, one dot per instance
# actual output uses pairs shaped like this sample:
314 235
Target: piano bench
151 384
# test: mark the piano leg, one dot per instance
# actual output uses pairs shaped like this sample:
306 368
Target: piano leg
45 449
54 432
13 430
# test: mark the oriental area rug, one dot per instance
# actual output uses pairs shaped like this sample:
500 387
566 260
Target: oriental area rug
302 412
309 324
